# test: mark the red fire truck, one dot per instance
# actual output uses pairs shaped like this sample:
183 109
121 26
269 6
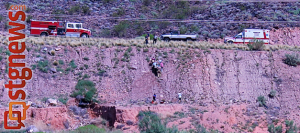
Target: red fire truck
58 28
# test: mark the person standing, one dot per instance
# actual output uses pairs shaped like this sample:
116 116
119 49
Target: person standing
146 39
179 96
154 97
161 65
155 38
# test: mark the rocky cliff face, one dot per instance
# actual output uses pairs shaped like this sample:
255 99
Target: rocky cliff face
215 77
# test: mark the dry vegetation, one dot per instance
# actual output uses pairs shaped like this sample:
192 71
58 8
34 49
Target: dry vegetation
74 42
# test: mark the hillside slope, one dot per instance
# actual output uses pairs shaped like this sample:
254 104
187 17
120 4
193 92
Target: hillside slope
205 77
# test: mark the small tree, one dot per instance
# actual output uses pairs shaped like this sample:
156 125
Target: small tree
85 88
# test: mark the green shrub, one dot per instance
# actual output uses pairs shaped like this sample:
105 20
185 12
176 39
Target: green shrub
129 49
33 67
1 58
150 122
273 129
7 52
86 76
146 50
272 93
290 127
120 29
261 100
89 129
86 9
256 44
86 58
61 62
63 99
85 88
292 59
43 66
72 64
7 5
86 66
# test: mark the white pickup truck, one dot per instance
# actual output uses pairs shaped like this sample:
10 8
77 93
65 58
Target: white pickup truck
174 35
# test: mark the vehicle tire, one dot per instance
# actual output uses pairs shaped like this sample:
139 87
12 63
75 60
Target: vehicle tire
230 42
189 40
167 39
84 36
43 34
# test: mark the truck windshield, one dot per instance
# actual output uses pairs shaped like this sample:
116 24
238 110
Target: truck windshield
238 36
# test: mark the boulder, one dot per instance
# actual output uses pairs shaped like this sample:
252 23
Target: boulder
53 70
66 124
120 126
31 129
52 101
129 122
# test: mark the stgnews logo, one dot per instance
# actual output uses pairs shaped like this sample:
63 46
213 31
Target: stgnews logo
17 79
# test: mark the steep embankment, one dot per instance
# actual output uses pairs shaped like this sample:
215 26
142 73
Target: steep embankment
207 78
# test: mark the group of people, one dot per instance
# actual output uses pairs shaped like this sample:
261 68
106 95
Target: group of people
154 98
157 66
147 38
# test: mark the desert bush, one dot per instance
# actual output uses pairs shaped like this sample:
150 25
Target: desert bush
291 127
119 13
61 62
146 50
1 58
272 93
72 64
7 5
86 9
63 99
89 129
85 88
261 100
43 66
150 122
256 44
86 58
292 59
273 129
7 52
120 29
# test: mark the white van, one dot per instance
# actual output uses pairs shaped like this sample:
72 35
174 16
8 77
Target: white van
248 35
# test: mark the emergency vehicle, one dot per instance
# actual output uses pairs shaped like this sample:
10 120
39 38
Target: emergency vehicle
248 35
58 28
